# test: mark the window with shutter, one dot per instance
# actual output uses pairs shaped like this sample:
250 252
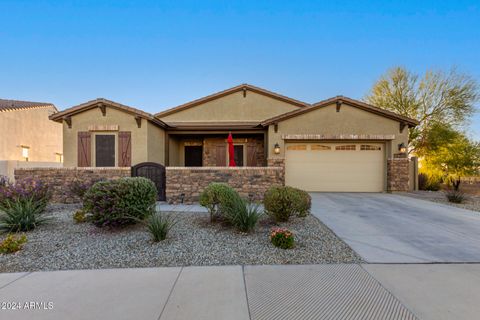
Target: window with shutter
221 155
84 151
124 149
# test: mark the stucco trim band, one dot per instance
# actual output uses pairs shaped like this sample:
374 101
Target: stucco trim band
338 136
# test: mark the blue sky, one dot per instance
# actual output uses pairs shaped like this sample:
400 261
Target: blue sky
158 54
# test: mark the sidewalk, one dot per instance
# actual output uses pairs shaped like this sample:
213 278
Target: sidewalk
250 292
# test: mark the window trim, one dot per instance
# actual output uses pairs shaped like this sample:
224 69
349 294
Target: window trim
244 153
94 144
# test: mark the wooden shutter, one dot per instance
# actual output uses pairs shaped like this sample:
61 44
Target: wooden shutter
124 149
84 149
251 155
221 155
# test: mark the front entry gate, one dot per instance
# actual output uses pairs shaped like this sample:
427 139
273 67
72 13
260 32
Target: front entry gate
155 172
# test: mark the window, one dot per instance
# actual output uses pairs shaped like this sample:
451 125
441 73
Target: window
238 155
297 147
105 150
346 147
320 147
25 152
58 157
370 147
193 156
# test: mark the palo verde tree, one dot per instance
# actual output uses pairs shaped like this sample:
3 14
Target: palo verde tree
444 98
451 155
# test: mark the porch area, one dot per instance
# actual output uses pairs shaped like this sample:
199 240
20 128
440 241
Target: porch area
211 149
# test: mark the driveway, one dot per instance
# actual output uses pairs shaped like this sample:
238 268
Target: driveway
390 228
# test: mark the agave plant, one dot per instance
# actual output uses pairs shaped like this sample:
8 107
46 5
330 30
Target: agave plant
21 215
159 225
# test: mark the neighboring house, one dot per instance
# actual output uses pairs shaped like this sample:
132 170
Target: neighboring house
338 144
27 137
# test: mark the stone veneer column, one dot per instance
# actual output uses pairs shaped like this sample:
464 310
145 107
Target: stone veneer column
398 174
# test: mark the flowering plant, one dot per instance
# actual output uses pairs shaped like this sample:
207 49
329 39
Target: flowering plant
27 190
282 238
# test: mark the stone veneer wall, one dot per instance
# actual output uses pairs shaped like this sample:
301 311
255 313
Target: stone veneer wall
250 182
398 174
61 178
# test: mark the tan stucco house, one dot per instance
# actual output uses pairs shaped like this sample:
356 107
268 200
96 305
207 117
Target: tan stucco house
338 144
27 137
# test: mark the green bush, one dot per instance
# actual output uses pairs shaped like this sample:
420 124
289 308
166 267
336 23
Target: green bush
121 201
240 213
215 196
302 207
282 238
22 214
283 202
159 225
12 243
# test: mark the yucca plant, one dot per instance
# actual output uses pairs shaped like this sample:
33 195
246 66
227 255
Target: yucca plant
159 225
242 214
21 215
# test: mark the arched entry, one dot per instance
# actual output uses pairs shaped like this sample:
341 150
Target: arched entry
155 172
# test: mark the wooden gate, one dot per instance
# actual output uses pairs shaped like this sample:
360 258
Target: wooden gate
155 172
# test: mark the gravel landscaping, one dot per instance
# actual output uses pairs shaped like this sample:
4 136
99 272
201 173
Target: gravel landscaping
63 244
472 202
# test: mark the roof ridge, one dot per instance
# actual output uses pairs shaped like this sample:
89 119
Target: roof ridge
219 94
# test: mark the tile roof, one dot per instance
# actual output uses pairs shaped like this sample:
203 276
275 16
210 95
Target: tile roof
6 105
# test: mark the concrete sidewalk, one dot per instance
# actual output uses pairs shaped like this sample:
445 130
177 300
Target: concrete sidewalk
250 292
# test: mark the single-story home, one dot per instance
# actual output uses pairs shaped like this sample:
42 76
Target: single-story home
338 144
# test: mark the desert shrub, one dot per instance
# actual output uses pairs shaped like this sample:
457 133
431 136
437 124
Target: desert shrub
215 196
80 216
240 213
25 191
303 206
429 183
121 201
159 225
455 196
12 243
283 202
282 238
21 214
79 187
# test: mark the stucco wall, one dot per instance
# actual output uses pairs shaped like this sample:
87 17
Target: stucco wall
156 143
233 107
327 121
32 128
147 142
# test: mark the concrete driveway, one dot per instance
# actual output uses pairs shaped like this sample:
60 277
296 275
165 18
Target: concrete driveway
390 228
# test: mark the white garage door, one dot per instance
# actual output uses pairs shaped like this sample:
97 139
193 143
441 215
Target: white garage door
335 167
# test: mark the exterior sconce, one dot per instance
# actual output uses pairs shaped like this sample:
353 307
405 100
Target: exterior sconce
402 148
276 149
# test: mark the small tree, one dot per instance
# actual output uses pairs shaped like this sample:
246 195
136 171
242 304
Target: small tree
457 158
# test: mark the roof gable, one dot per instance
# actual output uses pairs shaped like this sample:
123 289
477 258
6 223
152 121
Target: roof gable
240 88
339 100
101 102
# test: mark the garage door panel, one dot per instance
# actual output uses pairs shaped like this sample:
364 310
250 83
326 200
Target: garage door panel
313 169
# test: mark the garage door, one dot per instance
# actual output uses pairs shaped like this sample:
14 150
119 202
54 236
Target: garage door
335 167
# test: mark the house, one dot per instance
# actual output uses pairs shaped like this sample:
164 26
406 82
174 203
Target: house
27 137
338 144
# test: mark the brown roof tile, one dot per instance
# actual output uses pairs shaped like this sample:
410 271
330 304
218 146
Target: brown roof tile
6 105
